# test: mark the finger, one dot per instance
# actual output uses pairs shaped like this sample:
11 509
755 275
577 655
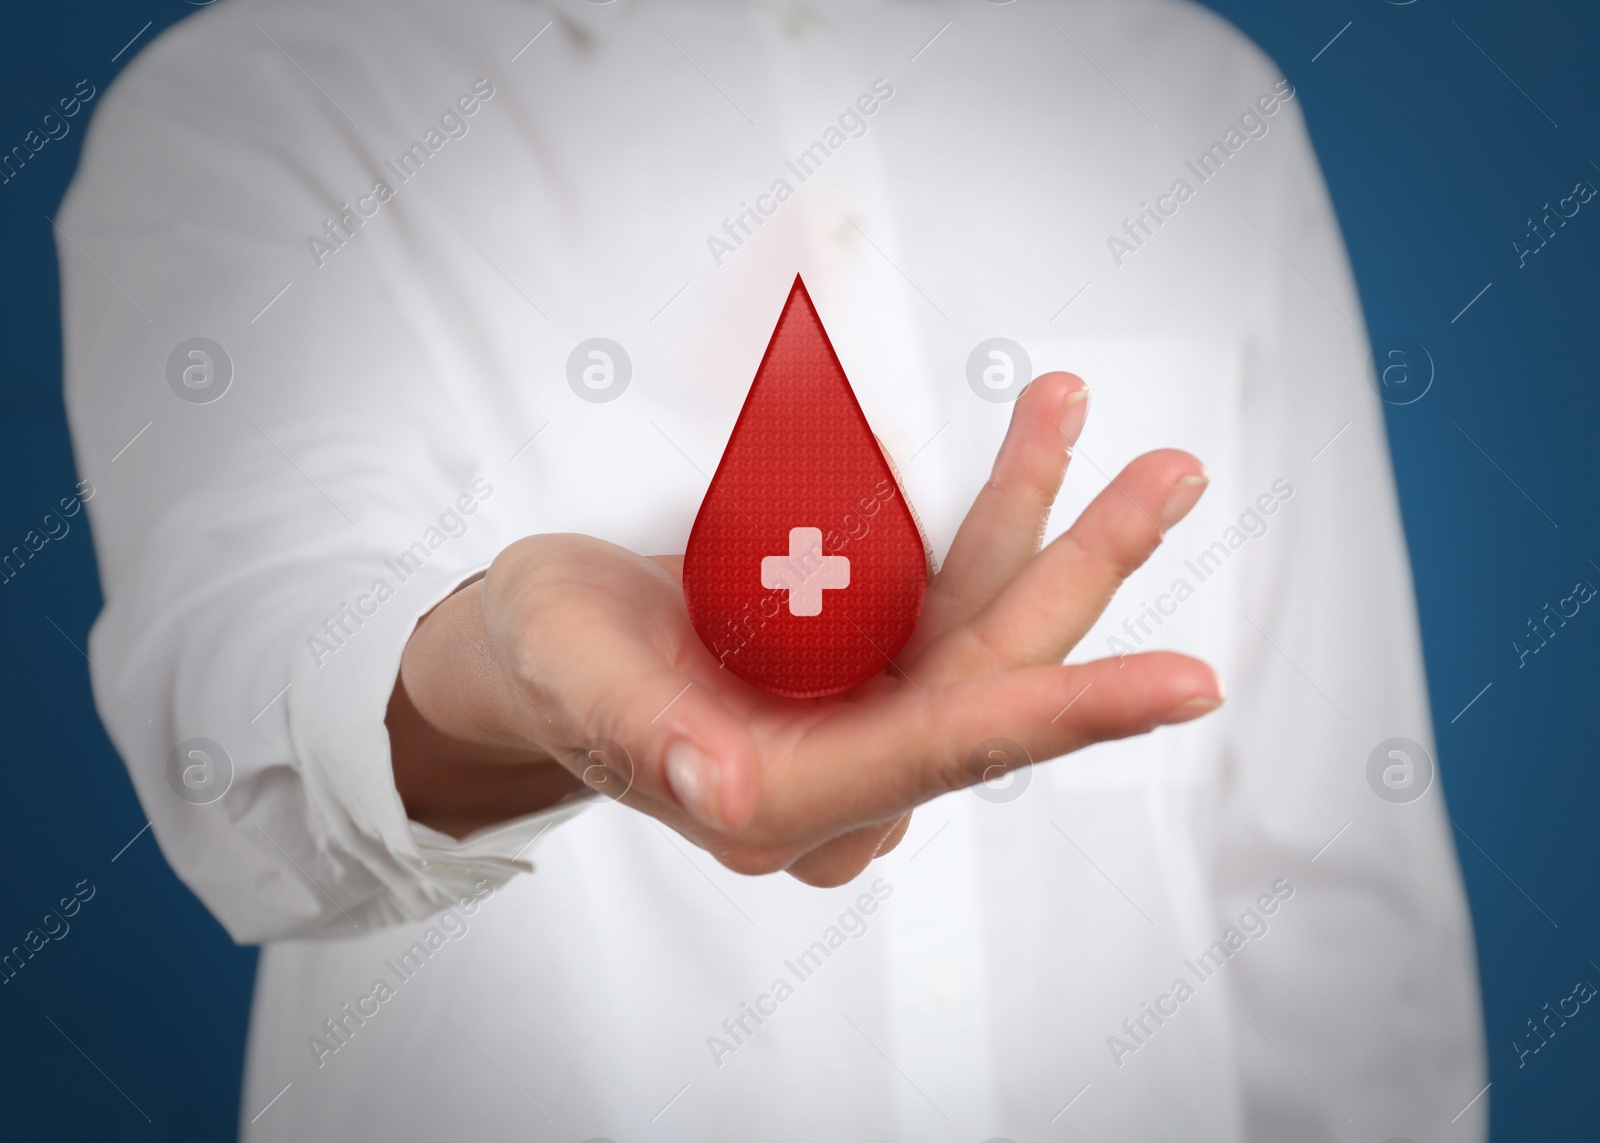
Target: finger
893 756
895 836
842 859
672 565
642 683
1051 604
692 750
680 745
1006 523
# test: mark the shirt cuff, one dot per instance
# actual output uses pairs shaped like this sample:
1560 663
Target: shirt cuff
342 681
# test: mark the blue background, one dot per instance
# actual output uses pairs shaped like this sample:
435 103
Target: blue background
1436 161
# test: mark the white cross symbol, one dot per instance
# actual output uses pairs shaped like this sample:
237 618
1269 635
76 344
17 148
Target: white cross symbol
805 571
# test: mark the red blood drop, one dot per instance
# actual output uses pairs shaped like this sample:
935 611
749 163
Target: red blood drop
805 569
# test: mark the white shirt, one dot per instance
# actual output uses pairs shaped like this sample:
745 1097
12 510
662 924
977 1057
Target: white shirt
399 385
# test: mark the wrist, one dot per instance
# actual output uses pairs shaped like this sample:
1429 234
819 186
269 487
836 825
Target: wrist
460 760
452 682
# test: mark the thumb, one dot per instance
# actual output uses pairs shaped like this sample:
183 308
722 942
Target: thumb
684 745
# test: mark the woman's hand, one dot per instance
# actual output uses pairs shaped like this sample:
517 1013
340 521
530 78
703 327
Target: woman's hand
569 641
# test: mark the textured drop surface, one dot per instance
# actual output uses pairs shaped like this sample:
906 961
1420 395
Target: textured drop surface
805 570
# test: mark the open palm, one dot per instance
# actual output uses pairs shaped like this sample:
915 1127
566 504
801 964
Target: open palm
597 644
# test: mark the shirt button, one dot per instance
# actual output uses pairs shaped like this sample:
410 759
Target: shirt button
946 988
797 22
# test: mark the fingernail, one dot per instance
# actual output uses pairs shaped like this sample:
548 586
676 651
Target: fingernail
692 774
1181 499
1074 410
1189 710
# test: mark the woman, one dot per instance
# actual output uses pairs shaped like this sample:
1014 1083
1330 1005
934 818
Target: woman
481 290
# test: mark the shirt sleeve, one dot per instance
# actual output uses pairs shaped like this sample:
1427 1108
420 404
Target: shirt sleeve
270 528
1371 995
